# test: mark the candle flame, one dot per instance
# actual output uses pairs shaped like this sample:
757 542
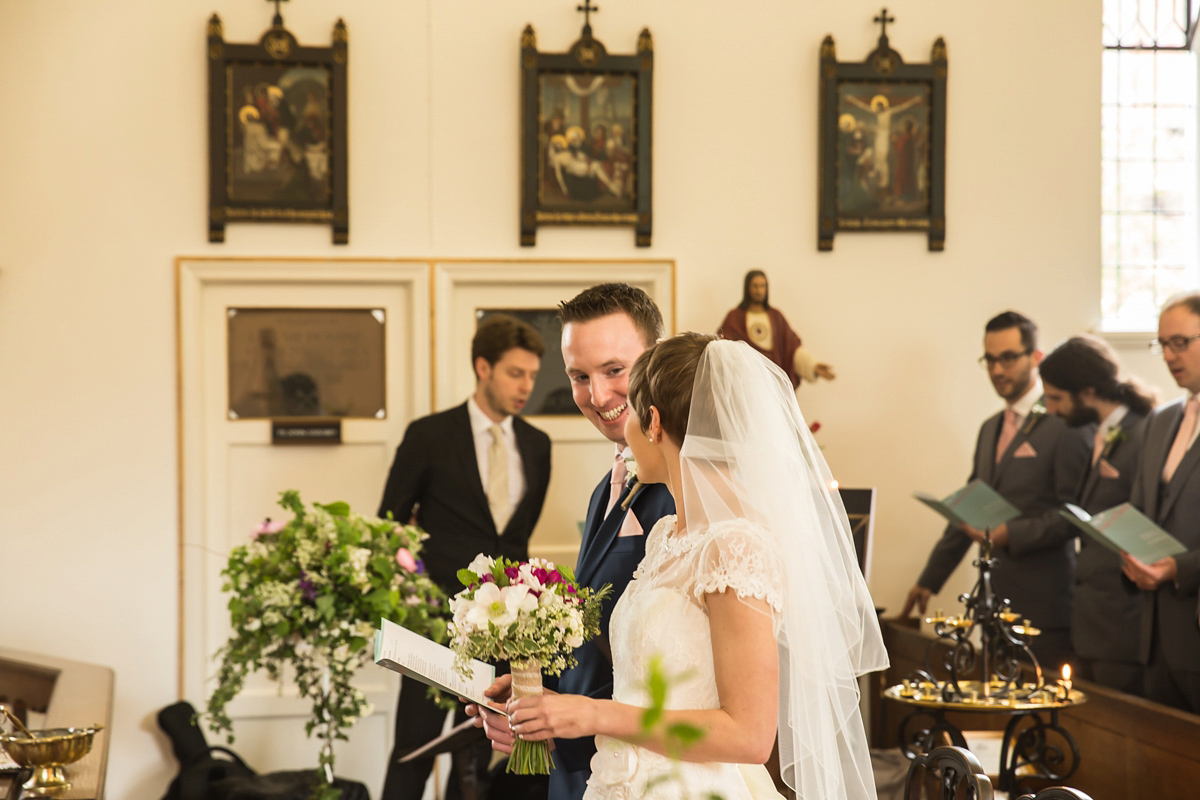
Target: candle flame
1066 672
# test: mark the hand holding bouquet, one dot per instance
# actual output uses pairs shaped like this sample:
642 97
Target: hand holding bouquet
531 614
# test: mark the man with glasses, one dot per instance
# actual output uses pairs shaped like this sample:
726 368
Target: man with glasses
1036 462
1167 489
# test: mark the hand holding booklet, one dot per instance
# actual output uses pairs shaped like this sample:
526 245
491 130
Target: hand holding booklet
1125 529
976 504
416 657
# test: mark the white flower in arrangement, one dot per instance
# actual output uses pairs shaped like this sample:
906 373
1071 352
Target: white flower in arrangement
481 565
307 552
274 593
359 558
525 572
254 624
498 606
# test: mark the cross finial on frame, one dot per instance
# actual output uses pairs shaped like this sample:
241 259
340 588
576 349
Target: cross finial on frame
883 19
278 21
587 8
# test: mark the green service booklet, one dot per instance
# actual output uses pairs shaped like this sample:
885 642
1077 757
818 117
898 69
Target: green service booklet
1124 528
976 504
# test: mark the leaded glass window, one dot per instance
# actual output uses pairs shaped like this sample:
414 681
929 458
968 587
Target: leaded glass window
1149 160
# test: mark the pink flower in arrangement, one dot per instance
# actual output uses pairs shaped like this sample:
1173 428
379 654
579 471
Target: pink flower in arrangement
547 577
405 559
265 527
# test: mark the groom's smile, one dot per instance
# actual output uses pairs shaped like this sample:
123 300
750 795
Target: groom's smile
611 416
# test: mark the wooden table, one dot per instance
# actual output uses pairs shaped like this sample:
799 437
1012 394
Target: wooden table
71 694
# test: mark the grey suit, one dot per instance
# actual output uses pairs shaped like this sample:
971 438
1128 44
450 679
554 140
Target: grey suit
1037 565
1107 610
1170 641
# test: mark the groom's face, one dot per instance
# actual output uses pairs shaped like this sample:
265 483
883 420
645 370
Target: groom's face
598 355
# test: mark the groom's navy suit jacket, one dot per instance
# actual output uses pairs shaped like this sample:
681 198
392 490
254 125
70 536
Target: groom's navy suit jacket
604 558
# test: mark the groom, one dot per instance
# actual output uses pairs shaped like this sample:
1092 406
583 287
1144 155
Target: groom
605 329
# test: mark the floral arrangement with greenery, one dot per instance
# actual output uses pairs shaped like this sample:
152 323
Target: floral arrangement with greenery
530 613
306 597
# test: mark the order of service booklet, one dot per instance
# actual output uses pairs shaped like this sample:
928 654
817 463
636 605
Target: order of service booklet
1124 528
975 504
414 656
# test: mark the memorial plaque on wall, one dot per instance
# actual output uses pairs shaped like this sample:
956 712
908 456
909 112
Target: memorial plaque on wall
306 362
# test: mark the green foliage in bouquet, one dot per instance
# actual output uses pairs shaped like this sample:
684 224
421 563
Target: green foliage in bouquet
518 611
306 597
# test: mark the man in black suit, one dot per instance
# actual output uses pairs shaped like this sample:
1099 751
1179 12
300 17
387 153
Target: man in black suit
605 329
475 477
1167 489
1082 383
1036 462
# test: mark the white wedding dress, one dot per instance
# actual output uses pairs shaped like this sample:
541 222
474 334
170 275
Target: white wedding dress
662 614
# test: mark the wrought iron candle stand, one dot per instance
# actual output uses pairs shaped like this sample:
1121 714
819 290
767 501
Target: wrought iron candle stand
988 680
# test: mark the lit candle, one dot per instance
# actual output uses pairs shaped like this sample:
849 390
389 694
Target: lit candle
1065 683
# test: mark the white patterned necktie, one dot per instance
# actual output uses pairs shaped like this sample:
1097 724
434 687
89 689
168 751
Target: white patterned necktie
619 472
497 486
1183 439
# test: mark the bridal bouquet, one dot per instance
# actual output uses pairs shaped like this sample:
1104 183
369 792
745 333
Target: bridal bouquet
531 614
306 595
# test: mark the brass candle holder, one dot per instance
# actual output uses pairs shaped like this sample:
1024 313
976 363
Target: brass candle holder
46 752
988 679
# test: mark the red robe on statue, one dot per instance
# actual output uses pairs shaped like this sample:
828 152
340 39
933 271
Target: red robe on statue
784 341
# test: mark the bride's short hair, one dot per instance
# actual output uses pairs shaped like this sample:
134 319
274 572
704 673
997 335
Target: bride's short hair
663 376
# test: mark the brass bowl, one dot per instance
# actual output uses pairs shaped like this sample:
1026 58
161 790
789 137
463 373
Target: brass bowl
47 751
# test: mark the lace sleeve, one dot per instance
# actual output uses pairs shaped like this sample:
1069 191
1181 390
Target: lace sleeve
735 556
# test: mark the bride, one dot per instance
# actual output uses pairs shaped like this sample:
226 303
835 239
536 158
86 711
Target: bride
750 598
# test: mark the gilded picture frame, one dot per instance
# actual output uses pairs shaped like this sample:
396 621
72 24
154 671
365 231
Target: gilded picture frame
586 119
882 160
277 131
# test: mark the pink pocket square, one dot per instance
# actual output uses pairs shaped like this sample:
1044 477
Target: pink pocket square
1107 470
1025 451
630 526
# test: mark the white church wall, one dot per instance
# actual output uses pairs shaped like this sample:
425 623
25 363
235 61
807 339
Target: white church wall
103 172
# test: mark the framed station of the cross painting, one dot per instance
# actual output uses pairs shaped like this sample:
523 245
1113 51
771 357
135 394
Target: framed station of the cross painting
586 136
277 131
882 143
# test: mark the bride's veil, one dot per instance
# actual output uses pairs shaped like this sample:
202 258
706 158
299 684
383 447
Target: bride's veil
748 454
